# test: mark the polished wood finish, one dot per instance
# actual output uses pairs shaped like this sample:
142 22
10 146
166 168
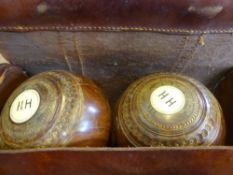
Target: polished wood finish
167 109
10 78
72 111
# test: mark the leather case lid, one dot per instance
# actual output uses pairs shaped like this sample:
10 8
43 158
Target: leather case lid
182 16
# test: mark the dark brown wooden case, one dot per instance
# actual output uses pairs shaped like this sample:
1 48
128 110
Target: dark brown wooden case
115 43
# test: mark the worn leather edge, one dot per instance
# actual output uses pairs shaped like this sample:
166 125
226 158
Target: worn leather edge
118 149
59 28
117 161
182 16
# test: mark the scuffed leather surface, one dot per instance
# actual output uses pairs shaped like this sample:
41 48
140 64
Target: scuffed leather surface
115 59
147 161
140 15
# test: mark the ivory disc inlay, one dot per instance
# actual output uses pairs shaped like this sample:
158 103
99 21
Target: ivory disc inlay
24 106
167 99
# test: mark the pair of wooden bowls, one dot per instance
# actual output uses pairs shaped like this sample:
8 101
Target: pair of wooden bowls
58 108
